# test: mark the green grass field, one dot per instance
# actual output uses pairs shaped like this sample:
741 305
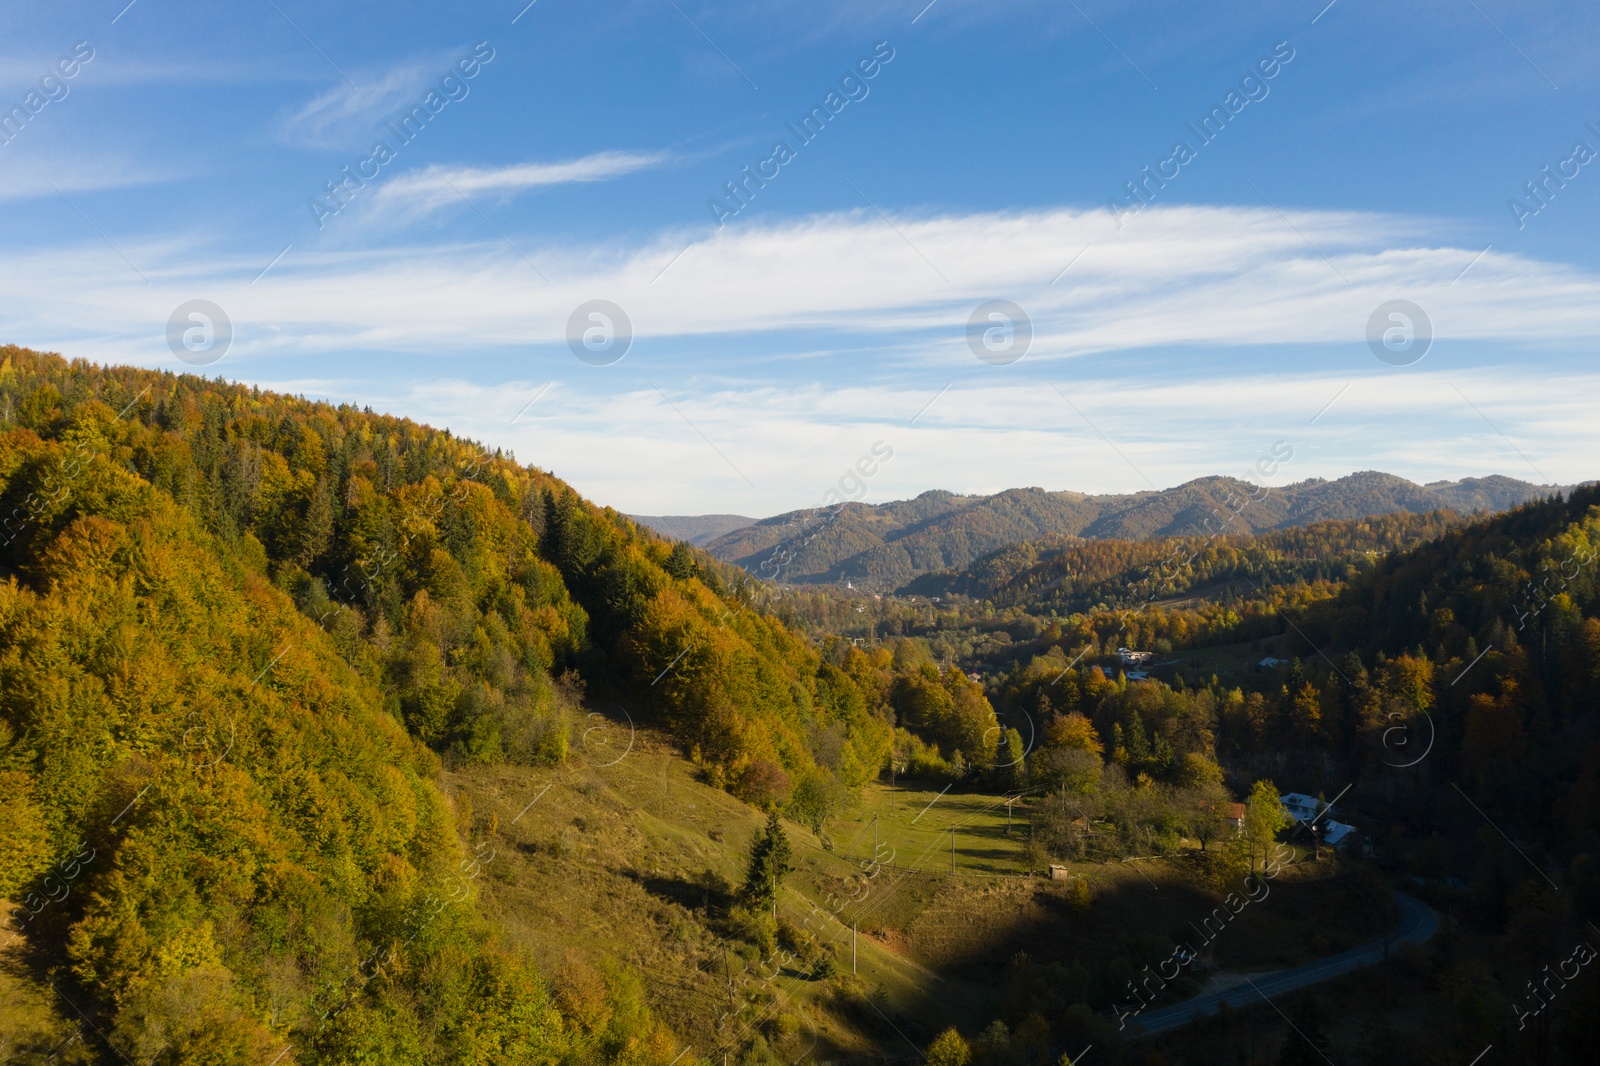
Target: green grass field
633 859
628 862
914 827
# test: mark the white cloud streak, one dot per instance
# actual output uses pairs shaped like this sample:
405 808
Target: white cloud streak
27 171
1175 276
346 115
1209 305
435 187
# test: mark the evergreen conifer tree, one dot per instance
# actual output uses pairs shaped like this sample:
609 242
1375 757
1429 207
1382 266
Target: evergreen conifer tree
770 860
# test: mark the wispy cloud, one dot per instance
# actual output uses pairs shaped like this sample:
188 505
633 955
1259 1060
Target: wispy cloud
345 114
1170 292
28 171
619 442
21 70
1180 276
432 188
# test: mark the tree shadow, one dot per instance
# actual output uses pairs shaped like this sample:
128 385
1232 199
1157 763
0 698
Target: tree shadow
710 893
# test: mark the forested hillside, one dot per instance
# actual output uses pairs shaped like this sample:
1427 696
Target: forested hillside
238 631
1500 622
462 585
1447 697
1067 574
1088 598
222 848
886 545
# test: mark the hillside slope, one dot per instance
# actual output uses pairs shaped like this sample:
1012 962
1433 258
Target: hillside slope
886 545
1068 574
224 849
462 584
239 634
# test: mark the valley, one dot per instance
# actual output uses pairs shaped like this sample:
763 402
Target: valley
327 737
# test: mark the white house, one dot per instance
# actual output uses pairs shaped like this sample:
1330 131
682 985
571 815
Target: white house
1135 658
1301 807
1270 663
1308 809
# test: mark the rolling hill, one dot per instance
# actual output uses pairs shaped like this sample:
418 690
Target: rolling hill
886 545
240 635
1068 574
697 529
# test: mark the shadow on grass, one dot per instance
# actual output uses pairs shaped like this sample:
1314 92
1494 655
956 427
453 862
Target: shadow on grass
710 894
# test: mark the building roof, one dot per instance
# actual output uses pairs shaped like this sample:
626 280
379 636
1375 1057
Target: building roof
1301 806
1335 832
1231 811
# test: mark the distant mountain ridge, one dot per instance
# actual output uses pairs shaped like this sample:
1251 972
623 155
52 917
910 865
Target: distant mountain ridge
697 529
888 544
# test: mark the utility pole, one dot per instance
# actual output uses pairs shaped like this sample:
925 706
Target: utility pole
852 947
1008 817
874 838
952 849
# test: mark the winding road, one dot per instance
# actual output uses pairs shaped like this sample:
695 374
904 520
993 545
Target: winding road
1419 922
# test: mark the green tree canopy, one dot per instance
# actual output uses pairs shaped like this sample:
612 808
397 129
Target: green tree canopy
770 861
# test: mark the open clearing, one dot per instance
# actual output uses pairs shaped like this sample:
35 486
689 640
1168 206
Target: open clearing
635 861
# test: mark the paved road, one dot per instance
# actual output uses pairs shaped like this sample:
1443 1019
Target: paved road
1418 924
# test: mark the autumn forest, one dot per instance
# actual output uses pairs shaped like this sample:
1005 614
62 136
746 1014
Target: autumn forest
272 670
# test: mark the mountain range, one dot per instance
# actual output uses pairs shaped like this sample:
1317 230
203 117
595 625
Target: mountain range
888 544
697 529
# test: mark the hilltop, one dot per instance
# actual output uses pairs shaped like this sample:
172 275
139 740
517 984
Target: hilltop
886 545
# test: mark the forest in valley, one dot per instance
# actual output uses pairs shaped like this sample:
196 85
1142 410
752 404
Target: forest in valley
256 653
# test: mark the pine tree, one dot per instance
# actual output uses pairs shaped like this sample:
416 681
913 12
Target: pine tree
1008 757
680 562
1161 756
1138 741
770 860
316 531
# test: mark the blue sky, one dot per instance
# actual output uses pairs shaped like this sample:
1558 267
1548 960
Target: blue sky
571 152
